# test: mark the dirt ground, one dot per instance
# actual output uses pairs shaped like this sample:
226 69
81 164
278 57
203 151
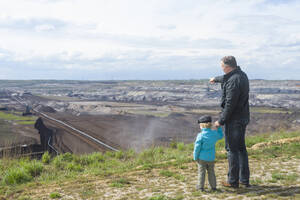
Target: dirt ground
137 126
143 184
138 131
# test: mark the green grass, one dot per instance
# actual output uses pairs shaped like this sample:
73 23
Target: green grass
159 197
18 118
168 173
279 176
19 173
55 195
26 122
251 140
14 117
121 182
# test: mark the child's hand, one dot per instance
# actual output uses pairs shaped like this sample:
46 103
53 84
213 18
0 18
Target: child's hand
217 124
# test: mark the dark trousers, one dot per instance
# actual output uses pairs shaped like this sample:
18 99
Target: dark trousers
237 155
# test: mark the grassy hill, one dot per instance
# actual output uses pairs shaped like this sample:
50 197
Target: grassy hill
158 173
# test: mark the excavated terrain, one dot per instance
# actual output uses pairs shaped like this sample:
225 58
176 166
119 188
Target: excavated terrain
153 113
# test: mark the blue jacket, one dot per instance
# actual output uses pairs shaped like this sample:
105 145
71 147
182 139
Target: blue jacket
204 148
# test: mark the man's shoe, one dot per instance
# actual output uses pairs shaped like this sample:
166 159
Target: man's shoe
245 184
225 184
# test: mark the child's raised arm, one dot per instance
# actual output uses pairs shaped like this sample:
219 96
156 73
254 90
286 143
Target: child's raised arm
220 133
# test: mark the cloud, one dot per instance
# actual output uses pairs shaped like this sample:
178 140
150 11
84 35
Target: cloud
31 24
167 27
147 39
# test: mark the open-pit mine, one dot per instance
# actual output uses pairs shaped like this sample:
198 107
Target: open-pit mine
87 116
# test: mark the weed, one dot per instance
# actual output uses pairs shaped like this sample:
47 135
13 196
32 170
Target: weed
278 176
13 117
58 162
119 155
173 144
180 146
74 167
24 198
55 195
87 191
93 158
26 122
166 173
178 197
220 144
256 181
34 168
110 154
158 197
68 157
120 183
46 158
148 166
16 176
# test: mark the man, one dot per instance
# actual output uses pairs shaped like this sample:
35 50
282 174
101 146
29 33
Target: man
235 117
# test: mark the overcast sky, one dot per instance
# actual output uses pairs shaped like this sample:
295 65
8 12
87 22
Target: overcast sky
148 39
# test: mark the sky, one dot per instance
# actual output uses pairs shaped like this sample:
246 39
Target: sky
148 39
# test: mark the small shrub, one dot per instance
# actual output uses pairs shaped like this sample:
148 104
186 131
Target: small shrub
147 156
68 157
58 162
148 166
130 154
160 150
46 158
74 167
97 157
16 176
55 195
180 146
110 154
93 158
119 154
173 144
34 168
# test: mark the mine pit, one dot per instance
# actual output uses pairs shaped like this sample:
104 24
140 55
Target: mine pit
126 116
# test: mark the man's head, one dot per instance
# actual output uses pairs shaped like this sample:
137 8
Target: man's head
228 63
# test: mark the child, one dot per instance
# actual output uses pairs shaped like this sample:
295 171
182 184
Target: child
204 152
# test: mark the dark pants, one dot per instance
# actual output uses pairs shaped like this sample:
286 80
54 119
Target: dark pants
238 166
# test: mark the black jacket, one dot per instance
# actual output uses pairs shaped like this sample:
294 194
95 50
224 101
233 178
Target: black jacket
235 96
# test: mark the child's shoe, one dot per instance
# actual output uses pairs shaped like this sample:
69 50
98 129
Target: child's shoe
199 188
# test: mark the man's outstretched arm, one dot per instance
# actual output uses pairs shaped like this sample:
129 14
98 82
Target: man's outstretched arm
217 79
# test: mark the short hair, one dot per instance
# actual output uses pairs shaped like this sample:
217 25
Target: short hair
206 125
230 61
